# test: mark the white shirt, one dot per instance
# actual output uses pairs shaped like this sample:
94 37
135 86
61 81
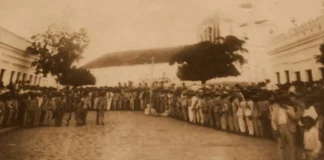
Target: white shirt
311 140
282 116
279 116
248 108
40 102
194 101
240 109
271 87
311 112
292 89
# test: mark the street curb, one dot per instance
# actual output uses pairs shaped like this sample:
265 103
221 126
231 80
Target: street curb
6 130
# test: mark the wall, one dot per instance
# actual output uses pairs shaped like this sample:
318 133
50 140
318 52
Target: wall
111 76
295 51
14 59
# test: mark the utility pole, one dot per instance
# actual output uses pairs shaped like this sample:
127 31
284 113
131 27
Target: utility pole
151 95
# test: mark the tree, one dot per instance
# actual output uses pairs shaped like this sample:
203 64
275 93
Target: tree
78 77
320 58
207 60
57 50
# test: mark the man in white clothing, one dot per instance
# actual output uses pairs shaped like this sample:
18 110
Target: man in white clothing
283 121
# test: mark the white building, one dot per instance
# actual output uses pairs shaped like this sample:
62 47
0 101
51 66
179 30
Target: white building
135 66
15 64
292 54
257 67
112 68
111 76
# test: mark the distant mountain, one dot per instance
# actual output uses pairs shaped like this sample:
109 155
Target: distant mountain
134 57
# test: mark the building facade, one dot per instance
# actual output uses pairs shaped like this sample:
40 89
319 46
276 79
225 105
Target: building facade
257 67
15 63
141 73
292 54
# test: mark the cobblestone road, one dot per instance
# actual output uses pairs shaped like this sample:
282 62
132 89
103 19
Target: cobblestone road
132 136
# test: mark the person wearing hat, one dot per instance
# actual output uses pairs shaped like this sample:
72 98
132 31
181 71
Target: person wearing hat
248 108
114 102
132 96
177 103
109 96
312 143
120 101
101 107
59 110
32 106
235 105
184 105
283 121
256 116
2 109
230 113
79 111
171 102
299 106
240 114
38 111
94 95
10 109
141 99
225 103
137 101
49 107
217 109
201 109
192 109
319 107
210 112
125 103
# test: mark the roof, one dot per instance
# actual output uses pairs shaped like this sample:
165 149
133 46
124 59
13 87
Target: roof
134 57
14 34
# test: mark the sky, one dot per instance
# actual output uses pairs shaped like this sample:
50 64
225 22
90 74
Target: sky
117 25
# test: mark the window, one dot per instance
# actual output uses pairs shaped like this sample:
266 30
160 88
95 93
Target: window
309 75
2 72
210 33
18 76
287 76
278 77
298 76
12 75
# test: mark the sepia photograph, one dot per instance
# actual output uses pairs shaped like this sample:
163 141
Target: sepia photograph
161 79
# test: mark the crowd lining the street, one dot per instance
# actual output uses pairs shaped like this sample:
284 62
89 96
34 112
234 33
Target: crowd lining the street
291 114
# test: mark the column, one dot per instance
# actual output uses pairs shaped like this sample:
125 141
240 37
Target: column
31 79
35 80
39 80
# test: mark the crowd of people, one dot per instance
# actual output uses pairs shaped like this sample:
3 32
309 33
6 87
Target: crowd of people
291 114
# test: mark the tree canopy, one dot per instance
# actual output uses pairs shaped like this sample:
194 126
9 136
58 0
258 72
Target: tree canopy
78 77
207 60
57 50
